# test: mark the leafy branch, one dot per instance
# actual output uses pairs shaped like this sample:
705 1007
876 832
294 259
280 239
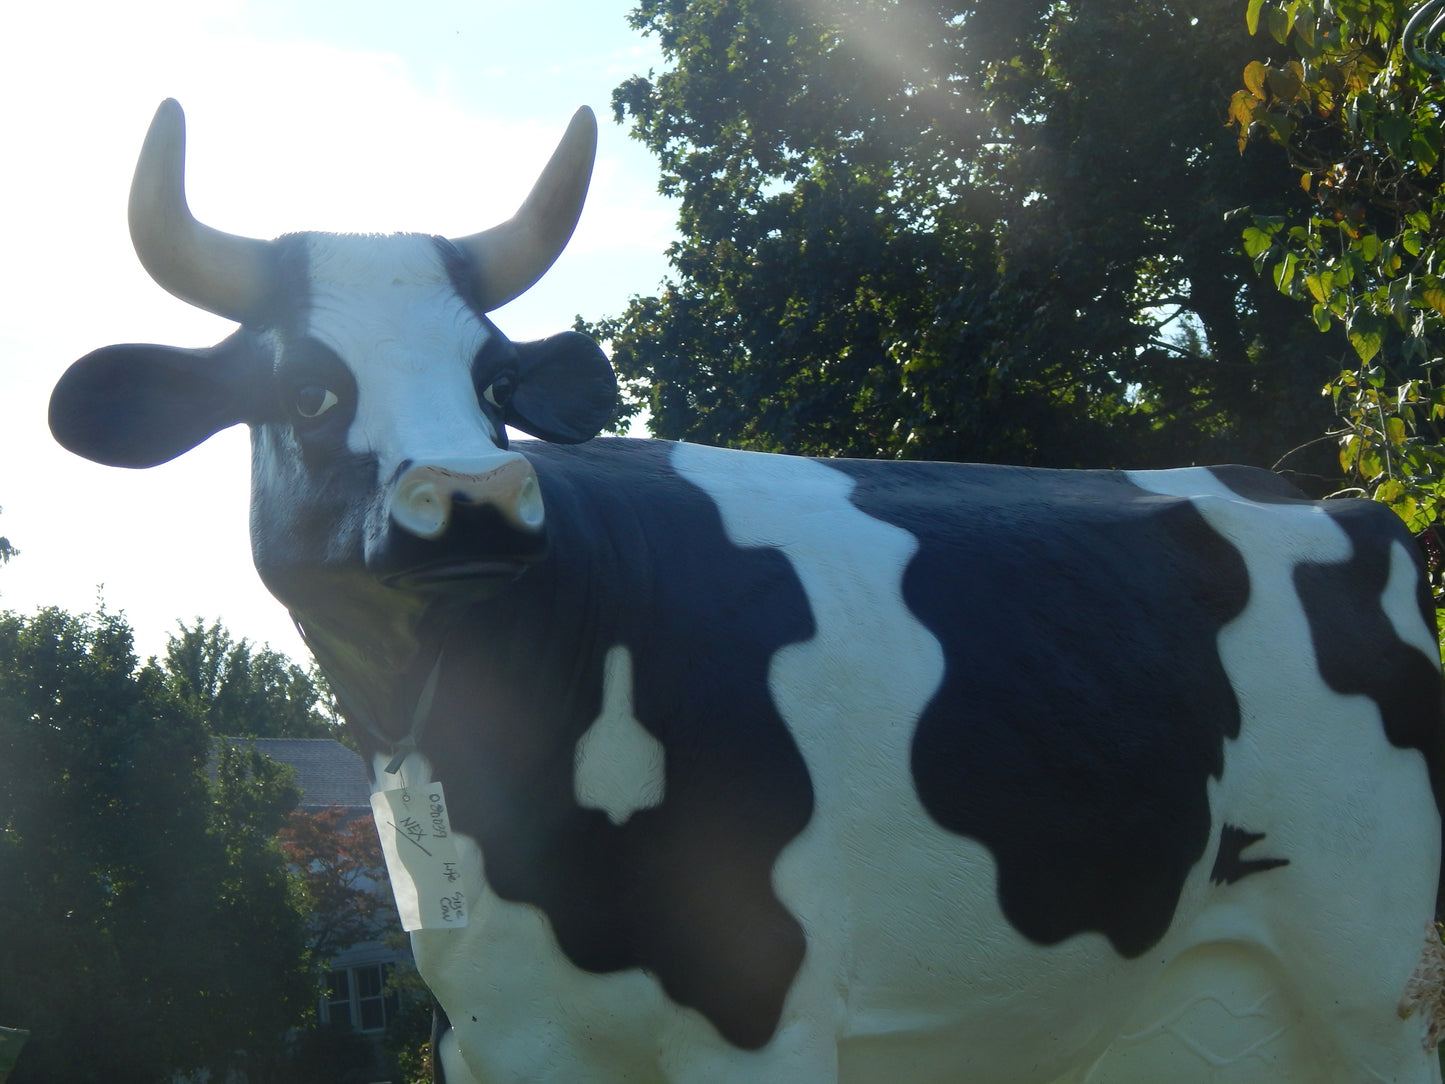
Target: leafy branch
1360 119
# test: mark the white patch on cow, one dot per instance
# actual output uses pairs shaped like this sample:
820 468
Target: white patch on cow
618 764
387 307
454 1069
900 914
1401 606
1353 814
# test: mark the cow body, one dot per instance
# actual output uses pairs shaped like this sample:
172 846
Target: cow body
773 769
943 823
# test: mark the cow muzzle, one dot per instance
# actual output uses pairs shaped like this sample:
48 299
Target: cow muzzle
462 525
426 495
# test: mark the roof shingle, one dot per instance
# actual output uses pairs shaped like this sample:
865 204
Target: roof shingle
327 772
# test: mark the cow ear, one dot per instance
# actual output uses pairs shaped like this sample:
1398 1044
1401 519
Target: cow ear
565 392
139 405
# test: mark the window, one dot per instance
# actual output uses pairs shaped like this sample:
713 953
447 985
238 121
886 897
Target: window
337 1007
356 998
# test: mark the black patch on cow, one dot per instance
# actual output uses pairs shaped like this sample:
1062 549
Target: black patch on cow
461 272
1084 705
637 556
1356 645
1355 642
288 303
1261 486
1230 865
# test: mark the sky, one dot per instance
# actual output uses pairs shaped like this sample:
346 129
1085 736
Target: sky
346 115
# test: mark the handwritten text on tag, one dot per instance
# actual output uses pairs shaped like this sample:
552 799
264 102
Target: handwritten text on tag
421 856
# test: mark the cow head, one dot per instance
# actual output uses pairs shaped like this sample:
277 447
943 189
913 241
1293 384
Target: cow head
375 386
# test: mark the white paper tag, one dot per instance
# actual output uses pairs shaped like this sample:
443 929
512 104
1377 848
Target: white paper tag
421 856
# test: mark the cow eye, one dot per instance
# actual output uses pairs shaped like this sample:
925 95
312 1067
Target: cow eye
312 400
499 391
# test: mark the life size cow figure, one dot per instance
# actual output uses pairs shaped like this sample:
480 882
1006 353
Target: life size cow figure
769 769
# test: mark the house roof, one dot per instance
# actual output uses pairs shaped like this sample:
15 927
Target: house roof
327 772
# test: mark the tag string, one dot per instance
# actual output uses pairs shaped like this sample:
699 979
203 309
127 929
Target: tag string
419 718
420 715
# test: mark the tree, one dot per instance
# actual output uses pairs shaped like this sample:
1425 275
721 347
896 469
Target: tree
987 229
343 875
242 692
149 922
409 1035
1358 107
349 902
7 551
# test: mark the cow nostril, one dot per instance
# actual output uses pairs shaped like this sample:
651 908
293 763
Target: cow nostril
427 498
529 503
422 508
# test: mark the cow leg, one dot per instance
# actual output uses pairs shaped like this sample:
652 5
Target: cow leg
1224 1014
1303 941
1376 998
1218 1015
440 1029
447 1064
520 1011
1299 972
798 1054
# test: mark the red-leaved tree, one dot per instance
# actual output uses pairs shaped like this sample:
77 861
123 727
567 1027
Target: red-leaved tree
343 874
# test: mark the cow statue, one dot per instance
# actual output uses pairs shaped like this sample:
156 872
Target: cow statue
768 769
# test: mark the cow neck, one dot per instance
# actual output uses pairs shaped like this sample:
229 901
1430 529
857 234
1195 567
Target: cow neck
521 677
598 575
421 712
371 714
639 558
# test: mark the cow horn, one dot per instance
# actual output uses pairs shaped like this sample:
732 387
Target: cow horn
215 271
509 258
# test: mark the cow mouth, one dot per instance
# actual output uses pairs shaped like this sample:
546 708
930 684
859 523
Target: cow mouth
460 577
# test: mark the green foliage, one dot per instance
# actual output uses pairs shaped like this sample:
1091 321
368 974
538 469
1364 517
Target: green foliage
408 1034
1362 125
7 551
150 924
330 1055
984 229
240 691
